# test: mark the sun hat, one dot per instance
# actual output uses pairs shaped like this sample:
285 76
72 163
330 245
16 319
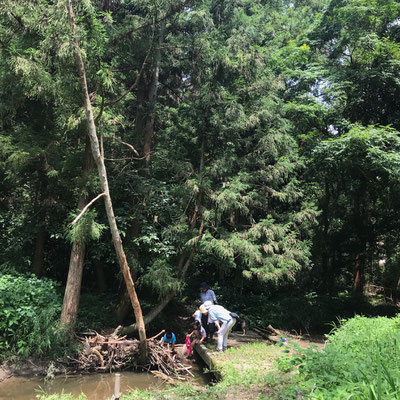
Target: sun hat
207 304
203 309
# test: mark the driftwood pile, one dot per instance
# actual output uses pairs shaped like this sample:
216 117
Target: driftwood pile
109 353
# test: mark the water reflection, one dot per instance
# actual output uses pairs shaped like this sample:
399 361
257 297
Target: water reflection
95 386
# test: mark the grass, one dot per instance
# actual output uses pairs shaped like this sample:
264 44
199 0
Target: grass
247 372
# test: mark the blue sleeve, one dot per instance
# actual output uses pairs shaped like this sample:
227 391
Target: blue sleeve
173 338
213 296
164 337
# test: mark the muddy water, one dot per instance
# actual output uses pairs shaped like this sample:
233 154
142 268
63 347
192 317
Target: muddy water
95 387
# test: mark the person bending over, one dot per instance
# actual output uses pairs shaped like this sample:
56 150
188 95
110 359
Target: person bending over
168 339
219 314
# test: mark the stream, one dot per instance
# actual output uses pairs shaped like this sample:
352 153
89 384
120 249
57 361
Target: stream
95 386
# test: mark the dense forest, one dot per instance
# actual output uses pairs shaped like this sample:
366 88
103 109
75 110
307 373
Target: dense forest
148 146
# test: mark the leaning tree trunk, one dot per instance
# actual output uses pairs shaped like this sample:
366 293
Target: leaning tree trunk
104 185
74 280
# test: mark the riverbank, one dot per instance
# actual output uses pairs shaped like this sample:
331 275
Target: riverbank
246 372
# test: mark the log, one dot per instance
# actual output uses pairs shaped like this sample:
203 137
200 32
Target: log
271 338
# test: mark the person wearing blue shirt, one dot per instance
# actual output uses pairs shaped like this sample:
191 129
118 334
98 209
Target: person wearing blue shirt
169 339
219 314
206 294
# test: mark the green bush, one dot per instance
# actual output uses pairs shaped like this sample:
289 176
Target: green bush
29 312
362 361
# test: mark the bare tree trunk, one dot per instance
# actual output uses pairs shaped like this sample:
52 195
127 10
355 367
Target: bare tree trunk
104 185
152 99
74 280
145 118
358 285
73 287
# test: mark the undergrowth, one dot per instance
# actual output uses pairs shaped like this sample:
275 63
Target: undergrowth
361 362
29 313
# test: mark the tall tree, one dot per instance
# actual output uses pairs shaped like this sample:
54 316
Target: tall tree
99 160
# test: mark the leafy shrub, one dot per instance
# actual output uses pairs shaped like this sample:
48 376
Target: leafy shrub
29 313
362 361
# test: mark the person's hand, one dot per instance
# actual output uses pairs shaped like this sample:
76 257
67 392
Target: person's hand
218 331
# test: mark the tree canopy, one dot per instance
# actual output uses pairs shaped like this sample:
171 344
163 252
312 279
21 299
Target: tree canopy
250 144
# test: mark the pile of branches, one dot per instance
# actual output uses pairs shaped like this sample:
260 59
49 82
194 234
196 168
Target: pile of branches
110 353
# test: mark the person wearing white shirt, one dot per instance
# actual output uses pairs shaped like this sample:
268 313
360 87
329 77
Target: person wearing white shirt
218 314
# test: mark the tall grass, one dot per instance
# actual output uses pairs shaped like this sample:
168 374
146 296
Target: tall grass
362 361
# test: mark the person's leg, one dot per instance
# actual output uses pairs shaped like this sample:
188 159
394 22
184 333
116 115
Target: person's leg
192 345
211 330
210 327
227 331
204 323
220 346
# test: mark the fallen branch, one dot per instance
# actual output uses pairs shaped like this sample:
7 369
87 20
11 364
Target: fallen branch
156 336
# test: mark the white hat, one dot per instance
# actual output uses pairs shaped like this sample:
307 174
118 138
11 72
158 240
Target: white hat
202 309
207 304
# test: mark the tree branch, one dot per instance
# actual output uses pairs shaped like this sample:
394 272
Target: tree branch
129 32
134 85
126 144
86 207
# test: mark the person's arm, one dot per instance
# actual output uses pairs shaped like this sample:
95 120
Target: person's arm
217 325
173 341
203 336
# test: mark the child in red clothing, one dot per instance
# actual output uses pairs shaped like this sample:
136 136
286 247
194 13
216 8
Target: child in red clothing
198 334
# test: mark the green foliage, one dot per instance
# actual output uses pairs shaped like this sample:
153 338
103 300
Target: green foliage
29 313
85 229
359 211
160 279
64 396
360 362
